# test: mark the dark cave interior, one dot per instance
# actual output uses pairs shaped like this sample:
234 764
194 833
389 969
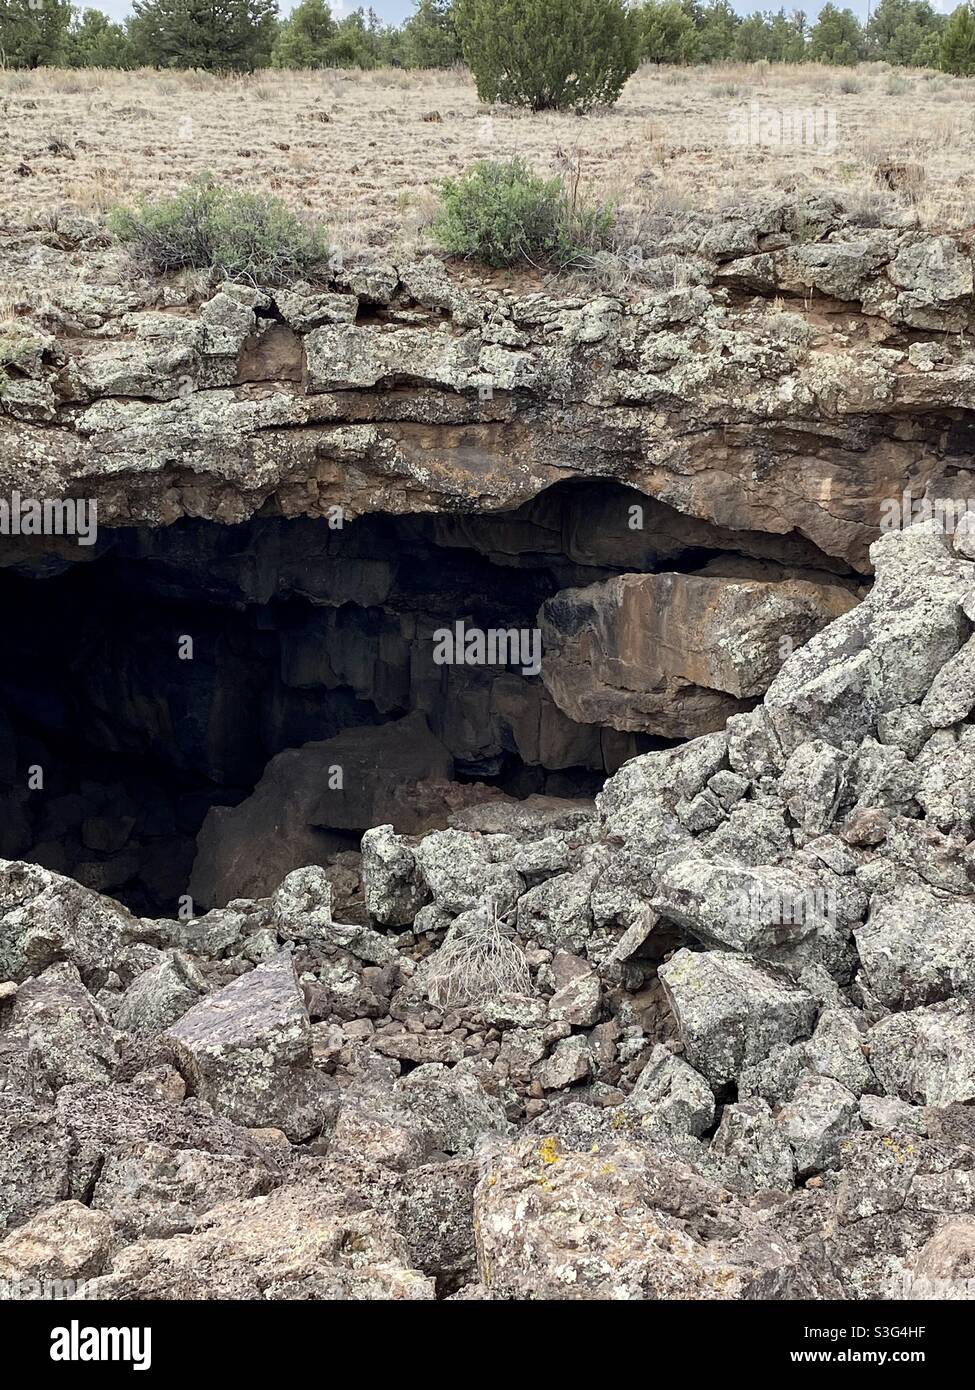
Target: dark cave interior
155 675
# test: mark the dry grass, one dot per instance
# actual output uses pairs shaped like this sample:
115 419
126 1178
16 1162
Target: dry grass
353 147
477 961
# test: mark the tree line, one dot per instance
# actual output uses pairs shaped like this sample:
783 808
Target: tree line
244 35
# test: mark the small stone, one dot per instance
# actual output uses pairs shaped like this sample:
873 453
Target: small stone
571 1061
163 1083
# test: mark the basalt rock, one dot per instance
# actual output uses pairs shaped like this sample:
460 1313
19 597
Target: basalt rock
675 654
735 1053
298 1242
739 414
247 1051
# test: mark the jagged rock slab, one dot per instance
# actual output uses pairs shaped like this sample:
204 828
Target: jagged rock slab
247 1051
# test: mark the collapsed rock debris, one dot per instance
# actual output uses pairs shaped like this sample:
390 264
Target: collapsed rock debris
717 1035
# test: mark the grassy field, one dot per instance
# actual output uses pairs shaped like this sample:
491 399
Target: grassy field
362 150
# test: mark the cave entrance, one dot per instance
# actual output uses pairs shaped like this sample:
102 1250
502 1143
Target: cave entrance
153 681
196 709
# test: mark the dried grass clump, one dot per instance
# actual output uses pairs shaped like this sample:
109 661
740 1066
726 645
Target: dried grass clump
477 961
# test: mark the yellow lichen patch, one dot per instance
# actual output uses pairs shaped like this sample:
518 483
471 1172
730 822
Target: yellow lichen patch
549 1150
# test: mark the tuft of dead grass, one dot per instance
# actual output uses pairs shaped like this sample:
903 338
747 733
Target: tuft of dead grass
478 961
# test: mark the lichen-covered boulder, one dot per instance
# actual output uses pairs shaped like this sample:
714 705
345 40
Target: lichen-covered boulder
731 1011
619 1223
672 1094
247 1051
927 1056
160 995
299 1242
45 918
58 1036
917 947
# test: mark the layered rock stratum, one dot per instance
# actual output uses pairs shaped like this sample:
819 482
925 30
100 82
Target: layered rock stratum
710 1036
779 375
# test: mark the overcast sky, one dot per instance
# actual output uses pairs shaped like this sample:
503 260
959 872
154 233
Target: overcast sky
394 11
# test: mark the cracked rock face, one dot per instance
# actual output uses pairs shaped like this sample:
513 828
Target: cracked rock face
708 1034
395 389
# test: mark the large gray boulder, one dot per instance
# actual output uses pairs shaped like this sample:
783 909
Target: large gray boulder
58 1036
749 1153
618 1222
299 1242
672 1094
45 918
247 1051
37 1158
150 1189
394 887
160 995
819 1118
745 909
731 1011
917 947
883 654
927 1056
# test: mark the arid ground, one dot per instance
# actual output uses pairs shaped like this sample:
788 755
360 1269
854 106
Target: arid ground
362 150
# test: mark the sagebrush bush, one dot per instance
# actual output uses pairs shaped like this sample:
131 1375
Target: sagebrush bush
549 54
477 961
502 213
243 236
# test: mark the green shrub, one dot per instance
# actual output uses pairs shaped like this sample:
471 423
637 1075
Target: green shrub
502 213
549 54
958 42
245 236
304 37
836 37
